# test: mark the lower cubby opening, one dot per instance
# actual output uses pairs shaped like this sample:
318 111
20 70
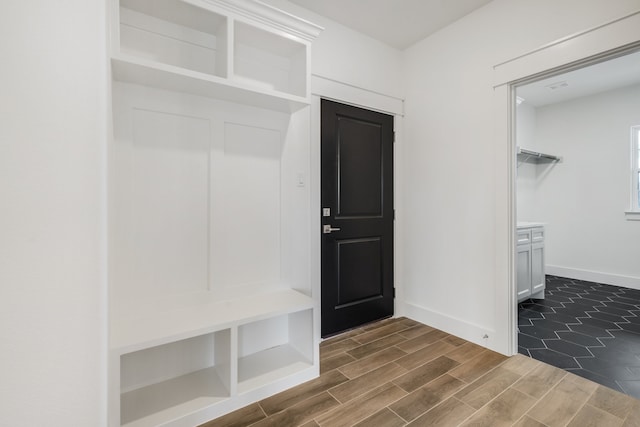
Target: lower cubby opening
165 382
275 348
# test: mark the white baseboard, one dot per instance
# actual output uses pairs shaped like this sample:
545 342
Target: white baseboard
451 325
594 276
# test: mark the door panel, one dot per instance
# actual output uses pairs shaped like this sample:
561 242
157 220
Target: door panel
359 270
357 201
524 272
359 168
537 268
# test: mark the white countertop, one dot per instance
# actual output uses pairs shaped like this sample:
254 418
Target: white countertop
527 224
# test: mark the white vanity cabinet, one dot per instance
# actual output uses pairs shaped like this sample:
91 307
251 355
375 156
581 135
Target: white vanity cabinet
530 261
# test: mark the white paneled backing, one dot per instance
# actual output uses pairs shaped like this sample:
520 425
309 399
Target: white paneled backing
246 206
167 212
197 199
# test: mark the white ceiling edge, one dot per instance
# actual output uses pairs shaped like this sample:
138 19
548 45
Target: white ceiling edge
609 75
397 23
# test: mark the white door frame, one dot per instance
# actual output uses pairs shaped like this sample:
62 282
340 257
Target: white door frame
606 41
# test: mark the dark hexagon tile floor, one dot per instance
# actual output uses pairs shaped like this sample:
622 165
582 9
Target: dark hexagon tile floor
590 329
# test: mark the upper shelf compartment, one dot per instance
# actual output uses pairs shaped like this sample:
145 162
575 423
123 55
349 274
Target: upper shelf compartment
269 61
238 50
174 33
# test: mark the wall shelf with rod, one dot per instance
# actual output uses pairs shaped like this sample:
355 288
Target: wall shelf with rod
525 155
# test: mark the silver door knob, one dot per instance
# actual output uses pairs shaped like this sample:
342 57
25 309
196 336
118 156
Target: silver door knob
326 229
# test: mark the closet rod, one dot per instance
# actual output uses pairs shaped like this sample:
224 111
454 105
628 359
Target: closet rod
539 155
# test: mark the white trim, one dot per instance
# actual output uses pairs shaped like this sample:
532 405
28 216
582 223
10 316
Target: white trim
617 35
566 39
334 90
398 205
611 39
267 14
594 276
315 219
506 222
634 212
632 215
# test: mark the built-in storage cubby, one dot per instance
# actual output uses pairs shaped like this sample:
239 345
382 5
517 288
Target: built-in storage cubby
174 33
264 357
268 61
160 383
210 299
175 368
214 48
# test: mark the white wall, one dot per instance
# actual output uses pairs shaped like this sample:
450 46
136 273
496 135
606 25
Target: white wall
450 188
527 172
52 284
583 198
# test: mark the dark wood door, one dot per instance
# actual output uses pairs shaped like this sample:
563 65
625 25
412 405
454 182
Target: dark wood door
357 216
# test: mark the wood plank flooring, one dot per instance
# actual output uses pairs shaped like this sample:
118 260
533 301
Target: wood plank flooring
399 372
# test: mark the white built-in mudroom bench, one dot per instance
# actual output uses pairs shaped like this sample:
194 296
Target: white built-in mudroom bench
210 298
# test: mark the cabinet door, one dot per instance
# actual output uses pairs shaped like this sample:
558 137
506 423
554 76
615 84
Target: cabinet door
537 267
524 272
523 237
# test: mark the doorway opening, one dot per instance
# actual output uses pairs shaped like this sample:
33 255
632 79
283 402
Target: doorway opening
577 278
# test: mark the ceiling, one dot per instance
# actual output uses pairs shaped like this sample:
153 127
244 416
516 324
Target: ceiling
398 23
612 74
402 23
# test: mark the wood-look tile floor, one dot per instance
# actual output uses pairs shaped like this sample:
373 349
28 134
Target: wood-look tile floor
399 372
